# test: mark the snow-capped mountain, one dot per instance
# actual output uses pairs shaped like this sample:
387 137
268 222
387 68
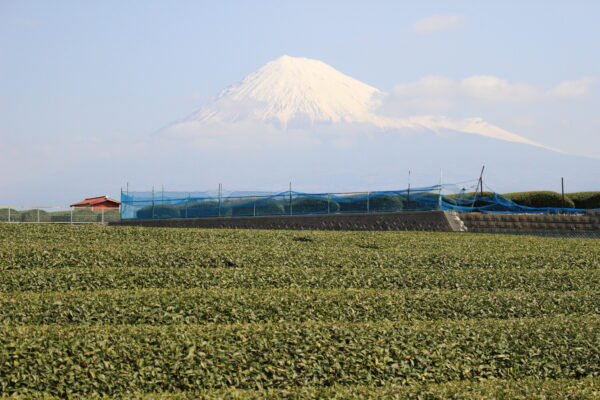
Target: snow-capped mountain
291 88
300 93
300 120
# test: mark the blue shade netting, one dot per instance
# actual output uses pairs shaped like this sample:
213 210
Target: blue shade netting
161 204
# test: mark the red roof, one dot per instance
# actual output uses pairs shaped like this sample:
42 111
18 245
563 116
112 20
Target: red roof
92 201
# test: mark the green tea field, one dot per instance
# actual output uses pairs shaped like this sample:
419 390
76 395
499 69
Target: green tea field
157 313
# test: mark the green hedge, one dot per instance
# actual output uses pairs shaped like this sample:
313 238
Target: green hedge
311 205
227 306
13 214
24 246
89 279
202 209
34 216
158 211
118 359
540 199
587 200
488 389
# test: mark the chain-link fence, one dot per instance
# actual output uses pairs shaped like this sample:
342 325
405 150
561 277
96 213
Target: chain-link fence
64 215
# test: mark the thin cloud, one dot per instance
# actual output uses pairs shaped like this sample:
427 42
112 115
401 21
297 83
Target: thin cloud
491 88
572 89
435 23
436 93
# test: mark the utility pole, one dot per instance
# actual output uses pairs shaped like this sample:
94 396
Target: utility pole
481 180
479 183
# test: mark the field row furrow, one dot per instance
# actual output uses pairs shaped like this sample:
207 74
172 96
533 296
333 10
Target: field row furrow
118 359
228 306
58 279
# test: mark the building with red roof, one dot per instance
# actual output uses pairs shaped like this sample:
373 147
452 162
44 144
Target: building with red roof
98 203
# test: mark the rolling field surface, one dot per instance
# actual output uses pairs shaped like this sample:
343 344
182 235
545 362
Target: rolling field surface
149 313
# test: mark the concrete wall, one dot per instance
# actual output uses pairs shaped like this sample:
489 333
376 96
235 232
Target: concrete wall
477 222
435 221
394 221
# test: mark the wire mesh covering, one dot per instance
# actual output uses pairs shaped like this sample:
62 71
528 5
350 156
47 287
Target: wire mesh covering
449 197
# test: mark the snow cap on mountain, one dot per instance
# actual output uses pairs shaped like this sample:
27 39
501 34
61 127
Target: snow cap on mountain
294 89
301 92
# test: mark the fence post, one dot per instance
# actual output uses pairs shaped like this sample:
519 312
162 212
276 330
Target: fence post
102 218
38 215
368 205
254 214
71 215
328 202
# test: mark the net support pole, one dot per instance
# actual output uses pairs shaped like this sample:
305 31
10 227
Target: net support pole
368 205
152 202
38 215
408 192
187 201
219 210
440 192
562 191
71 215
291 211
479 187
9 214
102 217
328 203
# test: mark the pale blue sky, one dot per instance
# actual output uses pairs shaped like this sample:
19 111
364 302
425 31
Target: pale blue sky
79 71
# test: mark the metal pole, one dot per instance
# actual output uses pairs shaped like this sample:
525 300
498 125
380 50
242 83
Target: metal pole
102 218
38 215
291 212
562 188
440 192
8 214
254 211
219 213
127 188
479 183
328 202
408 194
368 208
152 202
186 204
71 215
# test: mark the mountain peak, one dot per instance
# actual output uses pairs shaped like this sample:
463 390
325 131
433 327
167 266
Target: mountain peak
293 90
301 92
